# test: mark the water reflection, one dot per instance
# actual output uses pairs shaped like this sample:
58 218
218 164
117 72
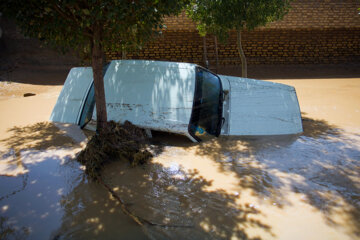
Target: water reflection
179 201
321 166
9 231
37 137
229 187
91 213
36 205
322 163
57 202
40 136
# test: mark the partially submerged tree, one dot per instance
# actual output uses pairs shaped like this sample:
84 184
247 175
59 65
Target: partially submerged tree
218 17
88 27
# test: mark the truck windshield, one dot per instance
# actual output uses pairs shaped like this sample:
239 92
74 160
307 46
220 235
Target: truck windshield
206 115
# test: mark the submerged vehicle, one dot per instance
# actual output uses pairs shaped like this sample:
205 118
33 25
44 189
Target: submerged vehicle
181 98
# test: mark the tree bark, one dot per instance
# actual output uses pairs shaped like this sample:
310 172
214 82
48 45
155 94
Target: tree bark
242 55
216 54
123 53
206 62
97 66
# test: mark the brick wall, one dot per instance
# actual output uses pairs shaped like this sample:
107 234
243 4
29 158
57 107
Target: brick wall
321 14
295 46
314 31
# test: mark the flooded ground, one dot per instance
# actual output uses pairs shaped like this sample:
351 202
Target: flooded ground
279 187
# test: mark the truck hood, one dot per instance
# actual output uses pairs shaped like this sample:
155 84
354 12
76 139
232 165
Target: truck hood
260 108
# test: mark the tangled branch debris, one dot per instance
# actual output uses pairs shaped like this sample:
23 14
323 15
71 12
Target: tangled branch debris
115 143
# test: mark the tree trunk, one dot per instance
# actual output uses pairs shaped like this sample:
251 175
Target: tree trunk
123 53
206 62
242 55
216 54
97 62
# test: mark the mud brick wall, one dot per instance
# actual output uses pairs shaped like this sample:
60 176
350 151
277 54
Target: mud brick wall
171 46
314 31
321 14
295 46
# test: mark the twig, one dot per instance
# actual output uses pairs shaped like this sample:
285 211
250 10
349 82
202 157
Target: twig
139 220
25 178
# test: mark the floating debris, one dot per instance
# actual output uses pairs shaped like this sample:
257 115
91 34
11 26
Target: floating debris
114 143
29 94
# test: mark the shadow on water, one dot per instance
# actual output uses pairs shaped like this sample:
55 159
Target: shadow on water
318 128
89 212
33 211
59 203
8 231
39 136
39 163
323 163
180 201
42 135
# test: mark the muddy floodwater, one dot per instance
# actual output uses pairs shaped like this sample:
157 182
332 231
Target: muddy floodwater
277 187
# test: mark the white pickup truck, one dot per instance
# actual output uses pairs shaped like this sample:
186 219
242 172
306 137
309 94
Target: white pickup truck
181 98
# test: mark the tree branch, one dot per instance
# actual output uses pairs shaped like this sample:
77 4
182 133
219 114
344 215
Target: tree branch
139 220
71 19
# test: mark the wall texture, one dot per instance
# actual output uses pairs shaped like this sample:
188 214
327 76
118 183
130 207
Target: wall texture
314 31
16 49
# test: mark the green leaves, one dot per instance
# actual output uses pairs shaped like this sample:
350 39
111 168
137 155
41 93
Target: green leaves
68 24
86 11
219 16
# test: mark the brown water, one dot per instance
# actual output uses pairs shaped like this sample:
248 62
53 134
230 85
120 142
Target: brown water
280 187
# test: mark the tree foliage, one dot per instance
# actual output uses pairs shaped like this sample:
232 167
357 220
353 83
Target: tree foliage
69 24
220 16
89 27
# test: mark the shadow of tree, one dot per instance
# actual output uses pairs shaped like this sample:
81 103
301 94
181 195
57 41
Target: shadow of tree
7 231
164 196
324 156
24 181
341 174
40 136
236 154
91 212
318 128
35 74
34 209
